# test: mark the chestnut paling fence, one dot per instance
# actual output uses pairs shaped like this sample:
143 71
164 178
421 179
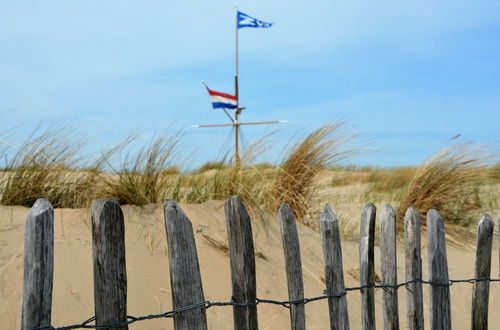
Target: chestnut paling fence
189 305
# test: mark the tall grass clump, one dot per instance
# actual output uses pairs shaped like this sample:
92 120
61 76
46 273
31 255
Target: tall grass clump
388 184
294 178
495 172
250 181
142 177
48 165
223 179
208 166
447 182
345 176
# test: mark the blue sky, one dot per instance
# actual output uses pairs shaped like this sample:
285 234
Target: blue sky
406 76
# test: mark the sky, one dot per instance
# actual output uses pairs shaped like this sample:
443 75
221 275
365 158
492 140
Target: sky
405 76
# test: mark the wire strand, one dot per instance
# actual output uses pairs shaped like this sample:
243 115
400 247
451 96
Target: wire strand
286 303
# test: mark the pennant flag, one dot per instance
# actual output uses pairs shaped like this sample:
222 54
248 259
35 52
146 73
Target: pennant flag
248 21
222 100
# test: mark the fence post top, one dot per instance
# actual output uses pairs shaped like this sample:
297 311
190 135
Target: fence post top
235 199
103 201
388 209
411 211
369 207
41 205
171 207
284 207
328 214
170 203
486 218
433 213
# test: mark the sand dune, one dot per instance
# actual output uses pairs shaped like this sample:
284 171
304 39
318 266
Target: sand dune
148 273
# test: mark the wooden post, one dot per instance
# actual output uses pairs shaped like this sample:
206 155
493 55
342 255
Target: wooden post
367 266
242 259
185 276
481 290
38 266
389 267
440 315
413 258
334 276
293 265
108 251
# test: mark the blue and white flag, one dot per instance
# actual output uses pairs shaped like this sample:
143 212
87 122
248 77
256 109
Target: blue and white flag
248 21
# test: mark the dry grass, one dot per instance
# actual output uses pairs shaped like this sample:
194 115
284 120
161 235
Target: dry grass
449 183
294 178
386 180
49 165
221 180
494 172
217 165
345 177
141 178
216 244
388 185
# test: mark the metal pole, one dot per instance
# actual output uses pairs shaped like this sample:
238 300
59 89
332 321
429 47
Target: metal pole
236 33
236 140
236 93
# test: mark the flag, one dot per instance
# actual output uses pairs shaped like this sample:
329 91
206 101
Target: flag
248 21
222 100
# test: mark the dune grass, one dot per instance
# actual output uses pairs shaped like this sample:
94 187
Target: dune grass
222 179
494 172
142 177
49 165
213 165
294 178
447 182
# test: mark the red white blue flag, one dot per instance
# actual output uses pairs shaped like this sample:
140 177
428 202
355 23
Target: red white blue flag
222 100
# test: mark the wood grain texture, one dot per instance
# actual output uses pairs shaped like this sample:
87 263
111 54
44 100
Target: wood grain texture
481 290
293 265
185 276
413 261
367 266
108 251
440 314
389 267
334 276
242 260
38 266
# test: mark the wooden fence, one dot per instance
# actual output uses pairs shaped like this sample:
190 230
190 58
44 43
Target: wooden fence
110 277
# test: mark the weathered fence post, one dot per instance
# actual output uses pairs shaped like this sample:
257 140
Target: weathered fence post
440 315
242 259
38 266
334 276
185 276
108 251
413 258
389 267
481 290
367 266
293 265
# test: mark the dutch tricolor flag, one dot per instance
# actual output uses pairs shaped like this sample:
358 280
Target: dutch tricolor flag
222 100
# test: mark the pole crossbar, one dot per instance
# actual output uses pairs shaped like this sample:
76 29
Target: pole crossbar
243 124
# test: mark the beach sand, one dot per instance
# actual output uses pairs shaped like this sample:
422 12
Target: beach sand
148 271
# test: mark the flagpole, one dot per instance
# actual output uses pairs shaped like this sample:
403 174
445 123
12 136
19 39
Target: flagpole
236 92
